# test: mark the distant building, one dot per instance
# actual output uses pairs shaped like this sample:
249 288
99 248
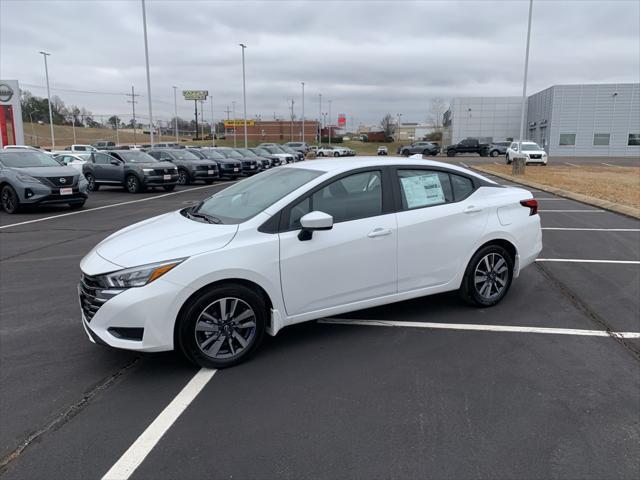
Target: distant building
273 130
410 132
566 120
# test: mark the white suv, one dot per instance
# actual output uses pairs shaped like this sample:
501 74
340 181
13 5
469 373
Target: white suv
531 150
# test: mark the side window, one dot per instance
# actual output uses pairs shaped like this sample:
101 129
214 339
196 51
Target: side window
462 187
102 159
155 155
165 156
350 198
424 188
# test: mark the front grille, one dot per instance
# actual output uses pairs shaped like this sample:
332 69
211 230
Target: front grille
249 163
61 182
163 171
90 296
535 156
207 167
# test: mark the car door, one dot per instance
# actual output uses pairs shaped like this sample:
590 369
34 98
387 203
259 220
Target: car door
113 168
440 219
352 262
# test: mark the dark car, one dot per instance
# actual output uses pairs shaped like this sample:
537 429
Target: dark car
263 162
468 145
191 167
498 148
249 165
264 153
423 148
227 167
297 154
133 169
28 177
299 146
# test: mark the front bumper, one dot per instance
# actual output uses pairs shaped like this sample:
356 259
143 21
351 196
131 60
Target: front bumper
39 194
159 180
204 175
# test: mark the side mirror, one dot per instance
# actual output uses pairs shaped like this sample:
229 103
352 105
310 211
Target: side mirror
115 162
314 221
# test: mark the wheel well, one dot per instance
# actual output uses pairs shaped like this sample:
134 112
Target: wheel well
238 281
506 244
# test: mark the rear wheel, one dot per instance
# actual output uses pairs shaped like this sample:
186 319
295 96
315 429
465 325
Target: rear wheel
336 154
132 184
405 153
494 153
222 327
426 152
451 153
488 276
93 186
9 199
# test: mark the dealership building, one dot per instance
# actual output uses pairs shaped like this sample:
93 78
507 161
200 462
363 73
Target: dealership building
566 120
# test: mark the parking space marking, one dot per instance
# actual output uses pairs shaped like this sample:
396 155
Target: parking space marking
475 327
571 229
572 164
585 260
582 210
138 451
110 206
464 164
610 165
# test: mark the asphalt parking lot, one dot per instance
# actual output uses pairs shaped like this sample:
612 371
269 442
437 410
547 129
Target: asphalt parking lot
544 385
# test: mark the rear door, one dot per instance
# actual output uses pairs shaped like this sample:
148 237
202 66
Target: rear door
439 222
352 262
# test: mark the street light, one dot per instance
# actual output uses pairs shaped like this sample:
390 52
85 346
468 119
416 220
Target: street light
175 111
320 121
46 73
244 97
233 106
398 136
329 122
146 58
524 83
302 111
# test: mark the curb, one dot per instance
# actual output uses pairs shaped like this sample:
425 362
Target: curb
579 197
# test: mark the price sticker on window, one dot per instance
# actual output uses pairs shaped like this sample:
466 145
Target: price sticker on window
422 190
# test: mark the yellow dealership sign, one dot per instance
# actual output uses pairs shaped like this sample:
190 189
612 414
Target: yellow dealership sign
238 123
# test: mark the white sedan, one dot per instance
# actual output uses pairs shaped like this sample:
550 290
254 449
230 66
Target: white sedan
532 151
302 242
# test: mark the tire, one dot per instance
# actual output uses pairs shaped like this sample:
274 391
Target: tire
169 188
485 290
484 153
208 181
494 153
320 154
183 177
93 186
77 206
451 153
132 184
9 200
508 160
427 153
336 154
202 328
405 153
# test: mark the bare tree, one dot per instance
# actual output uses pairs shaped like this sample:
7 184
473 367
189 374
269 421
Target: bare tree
437 107
388 124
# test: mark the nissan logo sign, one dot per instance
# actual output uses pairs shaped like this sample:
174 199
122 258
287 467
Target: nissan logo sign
62 180
6 92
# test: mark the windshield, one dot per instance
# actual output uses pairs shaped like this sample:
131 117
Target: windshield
136 156
231 154
273 150
527 147
183 155
247 153
249 197
263 152
212 154
27 158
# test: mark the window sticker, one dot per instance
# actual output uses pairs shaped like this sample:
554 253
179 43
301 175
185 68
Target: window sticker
422 190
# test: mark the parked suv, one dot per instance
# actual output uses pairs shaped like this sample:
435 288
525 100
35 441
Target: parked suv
28 177
264 153
81 148
278 152
263 162
299 146
191 167
133 169
104 145
227 167
298 155
249 165
423 148
498 148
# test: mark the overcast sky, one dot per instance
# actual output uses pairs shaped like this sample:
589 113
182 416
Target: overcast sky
369 57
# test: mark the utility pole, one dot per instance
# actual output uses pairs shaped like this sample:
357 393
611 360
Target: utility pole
117 130
244 97
234 124
330 122
175 111
213 124
195 103
524 83
398 134
302 139
146 58
46 73
133 102
202 118
320 121
291 133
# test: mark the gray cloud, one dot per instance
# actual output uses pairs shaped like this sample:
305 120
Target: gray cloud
368 57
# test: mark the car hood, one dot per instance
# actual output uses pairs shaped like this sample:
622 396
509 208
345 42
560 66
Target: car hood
229 161
47 171
161 238
152 164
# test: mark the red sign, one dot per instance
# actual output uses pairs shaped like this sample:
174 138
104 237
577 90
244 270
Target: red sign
342 120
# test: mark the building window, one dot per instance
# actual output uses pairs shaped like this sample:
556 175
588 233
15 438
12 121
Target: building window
634 140
567 139
601 139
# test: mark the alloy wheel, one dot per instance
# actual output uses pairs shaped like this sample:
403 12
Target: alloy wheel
491 276
9 200
182 177
225 328
132 184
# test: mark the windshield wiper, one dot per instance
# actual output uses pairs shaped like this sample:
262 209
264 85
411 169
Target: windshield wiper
205 216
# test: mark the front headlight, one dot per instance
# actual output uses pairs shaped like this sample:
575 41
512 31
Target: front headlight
27 178
147 171
139 276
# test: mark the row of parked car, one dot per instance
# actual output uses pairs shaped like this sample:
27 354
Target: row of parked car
29 176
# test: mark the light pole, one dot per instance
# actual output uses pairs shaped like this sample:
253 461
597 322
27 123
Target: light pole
398 136
302 111
213 125
146 58
329 122
320 121
233 107
524 84
244 97
46 73
175 111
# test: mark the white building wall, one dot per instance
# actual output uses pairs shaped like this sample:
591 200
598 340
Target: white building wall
494 118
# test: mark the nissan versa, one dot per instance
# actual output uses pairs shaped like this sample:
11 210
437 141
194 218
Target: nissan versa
302 242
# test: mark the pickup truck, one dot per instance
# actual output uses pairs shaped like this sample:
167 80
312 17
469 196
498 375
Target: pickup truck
104 145
468 145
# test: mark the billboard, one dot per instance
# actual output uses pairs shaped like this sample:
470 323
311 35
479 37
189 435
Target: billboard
238 123
11 132
195 94
342 120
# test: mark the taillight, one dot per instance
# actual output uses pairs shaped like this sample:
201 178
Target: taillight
531 204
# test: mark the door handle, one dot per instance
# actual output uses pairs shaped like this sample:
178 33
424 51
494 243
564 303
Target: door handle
472 209
379 232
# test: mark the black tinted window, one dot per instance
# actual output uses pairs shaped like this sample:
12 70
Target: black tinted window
462 187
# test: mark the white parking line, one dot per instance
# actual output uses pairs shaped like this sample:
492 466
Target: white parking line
572 164
581 260
488 328
464 164
111 206
592 229
609 165
583 210
137 452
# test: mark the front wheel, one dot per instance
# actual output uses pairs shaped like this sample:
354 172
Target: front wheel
494 153
132 184
92 185
183 177
336 154
451 153
223 326
488 276
508 159
9 199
